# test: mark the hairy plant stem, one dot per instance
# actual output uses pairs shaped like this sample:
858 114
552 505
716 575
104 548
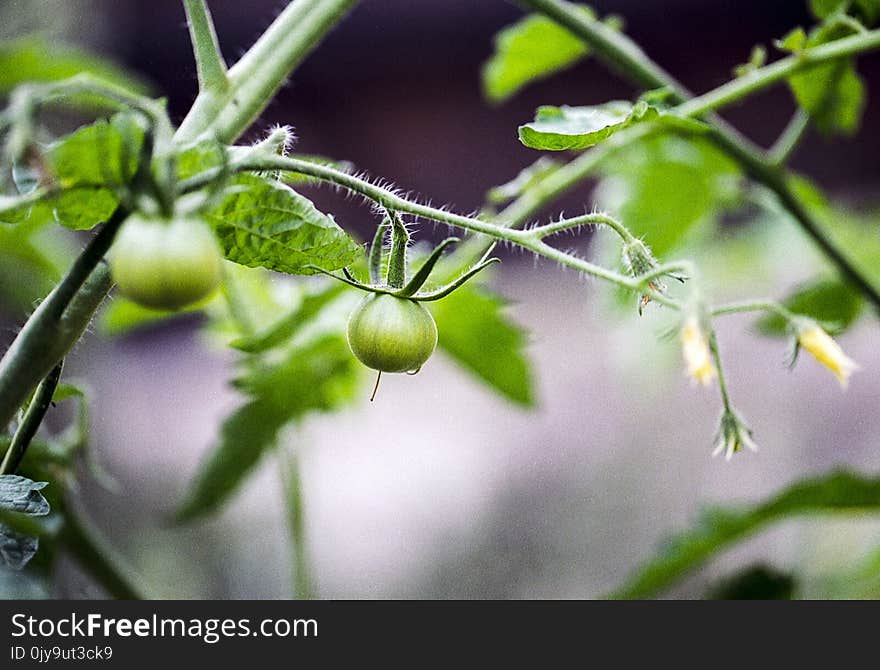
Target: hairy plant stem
623 54
31 421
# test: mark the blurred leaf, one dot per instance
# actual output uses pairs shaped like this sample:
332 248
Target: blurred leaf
757 582
757 59
528 178
824 8
475 332
31 262
284 329
794 41
317 376
667 188
87 165
831 302
720 527
870 10
37 59
122 316
562 128
531 49
831 93
21 496
264 223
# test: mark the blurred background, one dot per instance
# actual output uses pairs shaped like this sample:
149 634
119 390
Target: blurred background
440 488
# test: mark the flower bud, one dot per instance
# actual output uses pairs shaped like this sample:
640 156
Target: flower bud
696 352
638 260
824 349
733 435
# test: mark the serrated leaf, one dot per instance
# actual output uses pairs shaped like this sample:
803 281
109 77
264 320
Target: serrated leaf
563 128
35 59
531 49
718 528
263 223
831 302
317 376
667 189
831 93
476 333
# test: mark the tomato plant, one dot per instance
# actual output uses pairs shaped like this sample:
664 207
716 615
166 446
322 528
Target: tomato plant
182 217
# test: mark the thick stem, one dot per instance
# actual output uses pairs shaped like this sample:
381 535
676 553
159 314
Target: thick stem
29 425
210 66
256 78
57 324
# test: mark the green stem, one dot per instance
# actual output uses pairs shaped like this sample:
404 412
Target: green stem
594 219
29 425
789 139
722 380
210 66
753 306
255 79
292 480
624 54
57 324
94 555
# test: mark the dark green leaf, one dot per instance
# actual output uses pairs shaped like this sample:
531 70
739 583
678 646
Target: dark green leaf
757 582
475 332
531 49
35 59
718 528
829 301
870 10
824 8
263 223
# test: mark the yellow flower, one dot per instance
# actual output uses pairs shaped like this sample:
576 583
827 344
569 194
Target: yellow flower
825 350
697 356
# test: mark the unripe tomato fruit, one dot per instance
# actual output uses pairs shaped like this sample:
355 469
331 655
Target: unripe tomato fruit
165 264
391 334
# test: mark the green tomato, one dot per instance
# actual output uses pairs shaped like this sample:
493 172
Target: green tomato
391 334
165 264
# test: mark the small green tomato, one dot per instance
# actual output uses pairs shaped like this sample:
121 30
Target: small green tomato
391 334
165 264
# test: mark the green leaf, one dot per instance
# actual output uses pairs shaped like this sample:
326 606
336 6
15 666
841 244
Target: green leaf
474 331
263 223
20 495
88 165
831 302
121 316
32 259
317 376
757 582
528 178
822 9
831 93
35 59
531 49
288 326
870 10
718 527
794 41
562 128
667 189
